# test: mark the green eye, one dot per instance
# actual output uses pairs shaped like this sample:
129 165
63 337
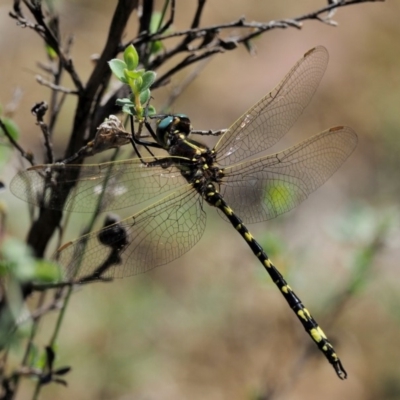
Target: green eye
165 122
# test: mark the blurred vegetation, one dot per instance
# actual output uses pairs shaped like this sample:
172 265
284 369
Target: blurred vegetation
211 324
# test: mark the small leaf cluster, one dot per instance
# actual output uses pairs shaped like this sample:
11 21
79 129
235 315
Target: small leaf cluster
138 80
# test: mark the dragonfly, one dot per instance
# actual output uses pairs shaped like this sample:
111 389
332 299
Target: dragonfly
243 185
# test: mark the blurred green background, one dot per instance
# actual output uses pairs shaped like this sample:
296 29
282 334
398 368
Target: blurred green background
211 325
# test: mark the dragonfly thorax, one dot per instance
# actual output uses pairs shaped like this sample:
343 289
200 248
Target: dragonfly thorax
172 127
194 159
200 170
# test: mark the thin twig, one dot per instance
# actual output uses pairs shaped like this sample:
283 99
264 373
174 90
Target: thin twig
39 110
213 43
54 87
48 36
261 26
187 61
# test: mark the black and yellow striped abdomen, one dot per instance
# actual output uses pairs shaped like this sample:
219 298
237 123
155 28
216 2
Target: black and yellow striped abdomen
310 325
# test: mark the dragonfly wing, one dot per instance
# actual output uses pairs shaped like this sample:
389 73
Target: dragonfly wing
264 188
152 237
271 118
116 185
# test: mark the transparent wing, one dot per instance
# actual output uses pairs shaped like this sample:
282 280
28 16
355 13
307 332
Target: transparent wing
117 184
264 188
271 118
153 237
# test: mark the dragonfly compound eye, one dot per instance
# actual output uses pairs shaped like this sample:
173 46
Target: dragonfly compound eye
164 128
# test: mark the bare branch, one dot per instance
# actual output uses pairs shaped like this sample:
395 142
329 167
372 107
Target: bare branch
213 43
186 62
39 110
47 34
54 87
50 219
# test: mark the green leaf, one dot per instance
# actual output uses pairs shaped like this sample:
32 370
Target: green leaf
12 128
133 75
47 271
118 67
151 111
156 47
144 96
131 58
41 360
127 109
34 357
5 146
137 84
140 72
123 101
148 79
155 22
17 260
51 53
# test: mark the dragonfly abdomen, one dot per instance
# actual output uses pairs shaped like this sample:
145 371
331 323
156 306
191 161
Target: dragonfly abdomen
309 323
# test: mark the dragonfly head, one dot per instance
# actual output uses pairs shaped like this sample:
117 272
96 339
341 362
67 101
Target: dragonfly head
169 126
